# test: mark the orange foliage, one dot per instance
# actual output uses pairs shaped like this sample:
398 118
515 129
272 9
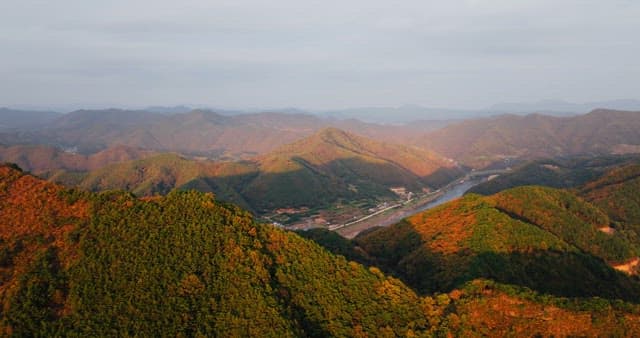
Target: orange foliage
29 205
32 211
499 314
446 232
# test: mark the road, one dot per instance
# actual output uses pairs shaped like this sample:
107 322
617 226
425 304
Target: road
394 214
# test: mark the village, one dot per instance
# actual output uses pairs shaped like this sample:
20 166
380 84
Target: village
350 217
342 213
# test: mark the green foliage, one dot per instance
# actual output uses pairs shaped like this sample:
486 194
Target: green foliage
72 196
557 173
8 251
185 265
593 305
335 243
34 308
499 233
618 194
541 238
568 217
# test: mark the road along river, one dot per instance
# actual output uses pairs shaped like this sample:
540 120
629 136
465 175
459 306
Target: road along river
394 215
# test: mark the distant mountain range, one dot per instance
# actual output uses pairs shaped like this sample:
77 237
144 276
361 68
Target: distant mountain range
11 119
560 107
401 114
474 142
392 114
198 132
409 113
481 142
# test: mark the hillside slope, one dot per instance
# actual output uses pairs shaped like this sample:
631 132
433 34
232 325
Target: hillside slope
617 193
317 170
333 163
541 238
40 159
483 141
556 173
161 173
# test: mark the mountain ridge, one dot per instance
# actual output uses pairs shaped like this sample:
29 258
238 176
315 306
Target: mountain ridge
481 142
322 168
546 239
197 132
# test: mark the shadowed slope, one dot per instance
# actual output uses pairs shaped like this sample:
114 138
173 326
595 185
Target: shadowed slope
555 173
618 193
321 169
37 219
541 238
334 160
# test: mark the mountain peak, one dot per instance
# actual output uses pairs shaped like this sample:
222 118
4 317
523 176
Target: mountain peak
332 132
328 137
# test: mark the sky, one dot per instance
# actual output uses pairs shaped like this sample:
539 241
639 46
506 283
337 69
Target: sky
317 54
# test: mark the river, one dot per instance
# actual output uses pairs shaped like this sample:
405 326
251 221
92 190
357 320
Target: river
452 192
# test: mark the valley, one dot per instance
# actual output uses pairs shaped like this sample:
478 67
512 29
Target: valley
350 220
444 195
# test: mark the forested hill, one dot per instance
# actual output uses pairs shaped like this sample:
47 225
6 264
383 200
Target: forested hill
77 263
557 173
611 183
546 239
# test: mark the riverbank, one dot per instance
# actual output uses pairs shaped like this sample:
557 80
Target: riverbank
394 215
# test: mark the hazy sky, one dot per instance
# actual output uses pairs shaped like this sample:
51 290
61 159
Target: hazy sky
317 54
